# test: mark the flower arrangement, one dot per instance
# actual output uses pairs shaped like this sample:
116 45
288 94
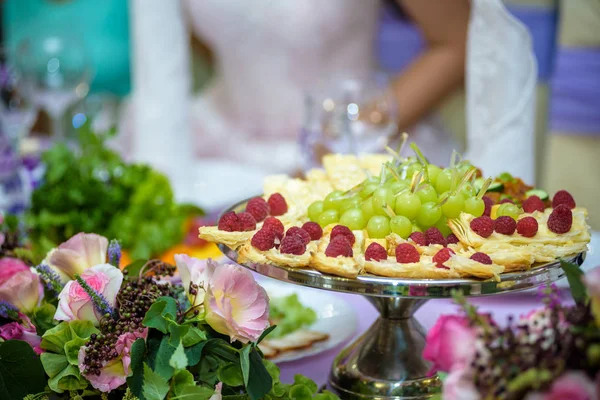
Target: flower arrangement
549 354
80 325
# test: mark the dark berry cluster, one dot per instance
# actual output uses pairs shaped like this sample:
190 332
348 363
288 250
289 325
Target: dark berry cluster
136 297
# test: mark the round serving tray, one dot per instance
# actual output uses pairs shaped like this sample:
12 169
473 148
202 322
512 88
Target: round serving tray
371 285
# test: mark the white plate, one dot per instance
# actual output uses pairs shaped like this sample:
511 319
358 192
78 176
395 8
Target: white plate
335 317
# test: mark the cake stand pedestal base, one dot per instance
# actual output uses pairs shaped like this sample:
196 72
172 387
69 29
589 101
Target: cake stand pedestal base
386 361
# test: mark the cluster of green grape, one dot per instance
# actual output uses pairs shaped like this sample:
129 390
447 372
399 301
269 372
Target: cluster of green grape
408 196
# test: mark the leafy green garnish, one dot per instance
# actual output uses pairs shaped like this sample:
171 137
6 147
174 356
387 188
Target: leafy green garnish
289 315
93 189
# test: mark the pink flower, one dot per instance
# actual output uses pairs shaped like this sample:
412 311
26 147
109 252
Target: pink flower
450 343
77 254
114 373
572 386
592 282
217 395
75 304
459 385
235 304
24 331
19 285
193 270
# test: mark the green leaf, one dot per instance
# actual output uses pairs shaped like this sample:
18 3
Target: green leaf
133 269
265 333
178 360
155 386
161 314
177 333
574 276
231 375
182 379
259 381
21 372
290 314
300 392
136 380
72 349
55 339
245 363
303 380
68 379
43 318
327 395
193 336
53 363
162 364
194 353
195 393
272 369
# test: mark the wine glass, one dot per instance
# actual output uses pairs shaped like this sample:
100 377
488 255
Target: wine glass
56 72
349 116
17 114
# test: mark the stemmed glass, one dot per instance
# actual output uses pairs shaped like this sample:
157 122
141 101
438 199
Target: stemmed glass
17 114
56 73
348 116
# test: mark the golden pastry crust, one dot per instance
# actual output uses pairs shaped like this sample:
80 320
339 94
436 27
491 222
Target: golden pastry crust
425 269
347 267
394 240
247 252
233 240
468 268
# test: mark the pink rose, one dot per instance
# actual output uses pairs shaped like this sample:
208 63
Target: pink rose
115 372
235 304
77 254
24 331
570 385
459 385
193 270
217 395
592 282
75 304
19 285
450 343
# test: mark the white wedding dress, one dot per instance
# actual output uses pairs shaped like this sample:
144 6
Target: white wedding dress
218 146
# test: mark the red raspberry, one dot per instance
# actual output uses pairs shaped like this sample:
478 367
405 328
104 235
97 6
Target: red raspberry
292 244
418 238
527 226
506 201
505 225
345 231
452 239
434 236
560 220
275 225
407 253
483 226
481 258
442 256
314 230
563 197
230 222
339 246
277 204
301 233
259 208
247 221
375 252
263 240
533 203
488 205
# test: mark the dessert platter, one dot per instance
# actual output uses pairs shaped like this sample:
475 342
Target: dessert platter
401 231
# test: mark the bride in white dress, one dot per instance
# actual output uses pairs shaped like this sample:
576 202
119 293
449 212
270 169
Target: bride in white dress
217 146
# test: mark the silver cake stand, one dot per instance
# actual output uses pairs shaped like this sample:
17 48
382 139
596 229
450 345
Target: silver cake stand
386 361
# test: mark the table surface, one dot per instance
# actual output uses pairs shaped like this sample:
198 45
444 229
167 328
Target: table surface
317 367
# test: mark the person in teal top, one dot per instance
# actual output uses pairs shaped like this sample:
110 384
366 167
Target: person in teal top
103 26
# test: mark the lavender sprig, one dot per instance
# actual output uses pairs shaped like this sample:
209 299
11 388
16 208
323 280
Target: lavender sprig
8 311
50 277
114 253
99 301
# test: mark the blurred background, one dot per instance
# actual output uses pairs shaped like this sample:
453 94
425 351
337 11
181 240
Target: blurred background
252 90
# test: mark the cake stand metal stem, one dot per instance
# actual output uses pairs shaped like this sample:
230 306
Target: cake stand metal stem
386 361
